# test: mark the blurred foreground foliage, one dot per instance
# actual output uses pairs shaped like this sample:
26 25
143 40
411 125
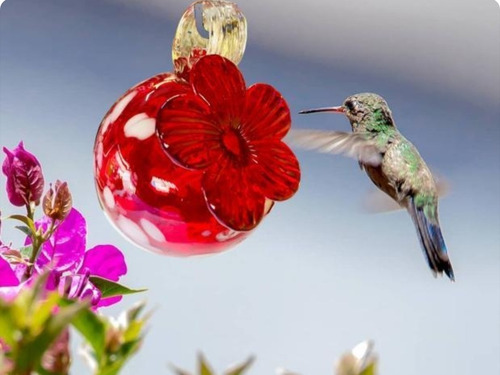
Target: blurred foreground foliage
34 334
361 360
34 339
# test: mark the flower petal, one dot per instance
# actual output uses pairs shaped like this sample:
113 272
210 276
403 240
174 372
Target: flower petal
78 286
7 275
187 131
108 301
91 293
65 249
104 261
278 172
266 113
221 84
16 262
9 293
234 200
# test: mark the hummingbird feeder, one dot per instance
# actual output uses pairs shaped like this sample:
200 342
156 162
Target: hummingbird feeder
189 162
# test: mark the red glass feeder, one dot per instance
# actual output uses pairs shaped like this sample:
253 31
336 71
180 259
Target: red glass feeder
189 162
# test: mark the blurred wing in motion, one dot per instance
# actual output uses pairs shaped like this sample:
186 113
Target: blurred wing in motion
442 185
376 201
355 145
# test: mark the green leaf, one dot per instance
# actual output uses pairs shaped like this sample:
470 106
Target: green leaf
7 326
133 312
24 219
134 324
26 251
370 370
92 329
178 371
34 347
203 366
44 310
36 294
24 229
134 330
64 317
123 338
41 371
241 368
126 351
119 358
110 288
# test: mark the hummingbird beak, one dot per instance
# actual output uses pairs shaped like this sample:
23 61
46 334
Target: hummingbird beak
339 109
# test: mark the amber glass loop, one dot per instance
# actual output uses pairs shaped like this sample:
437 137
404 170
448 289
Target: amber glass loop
211 27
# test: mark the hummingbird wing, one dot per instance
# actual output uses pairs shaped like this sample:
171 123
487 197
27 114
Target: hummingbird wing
376 201
360 146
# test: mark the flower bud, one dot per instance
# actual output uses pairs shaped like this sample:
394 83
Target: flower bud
57 201
360 360
24 176
57 359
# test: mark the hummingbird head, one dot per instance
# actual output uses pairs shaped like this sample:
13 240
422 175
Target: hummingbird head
363 111
367 107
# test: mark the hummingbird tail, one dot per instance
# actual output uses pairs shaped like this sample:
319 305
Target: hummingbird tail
431 239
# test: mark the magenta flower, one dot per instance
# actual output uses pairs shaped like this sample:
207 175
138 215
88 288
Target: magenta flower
10 274
24 176
71 266
7 275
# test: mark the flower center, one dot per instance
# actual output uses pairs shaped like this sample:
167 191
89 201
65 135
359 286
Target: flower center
234 142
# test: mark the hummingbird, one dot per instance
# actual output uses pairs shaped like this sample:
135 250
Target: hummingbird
392 163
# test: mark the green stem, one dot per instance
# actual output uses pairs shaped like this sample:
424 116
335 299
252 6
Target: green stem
37 242
34 254
30 213
30 210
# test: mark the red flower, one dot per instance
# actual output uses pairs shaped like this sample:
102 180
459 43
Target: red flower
232 134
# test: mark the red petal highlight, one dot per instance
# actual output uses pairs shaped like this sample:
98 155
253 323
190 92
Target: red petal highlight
277 172
266 113
221 84
232 197
187 132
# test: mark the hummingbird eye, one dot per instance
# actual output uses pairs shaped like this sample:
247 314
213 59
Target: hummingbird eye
350 105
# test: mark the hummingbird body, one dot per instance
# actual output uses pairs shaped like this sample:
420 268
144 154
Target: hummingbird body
393 164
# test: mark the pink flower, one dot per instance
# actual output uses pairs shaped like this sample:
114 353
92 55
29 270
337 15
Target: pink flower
7 275
24 176
9 283
70 266
12 270
64 254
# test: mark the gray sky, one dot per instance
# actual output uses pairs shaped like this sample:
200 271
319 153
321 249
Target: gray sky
447 43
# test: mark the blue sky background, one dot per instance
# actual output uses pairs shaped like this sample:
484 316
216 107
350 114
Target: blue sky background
319 275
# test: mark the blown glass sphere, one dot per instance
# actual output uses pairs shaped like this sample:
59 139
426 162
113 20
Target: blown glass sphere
156 204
